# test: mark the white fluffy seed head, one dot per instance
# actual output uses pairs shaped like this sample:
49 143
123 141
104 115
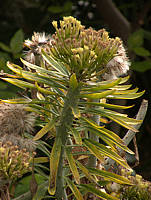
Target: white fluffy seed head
38 42
14 119
118 66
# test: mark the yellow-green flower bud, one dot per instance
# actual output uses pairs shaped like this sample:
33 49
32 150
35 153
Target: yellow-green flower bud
86 47
80 50
54 23
74 51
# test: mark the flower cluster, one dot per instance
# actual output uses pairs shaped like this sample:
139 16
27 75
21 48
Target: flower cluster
82 50
14 162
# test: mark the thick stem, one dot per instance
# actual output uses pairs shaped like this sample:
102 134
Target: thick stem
62 132
92 159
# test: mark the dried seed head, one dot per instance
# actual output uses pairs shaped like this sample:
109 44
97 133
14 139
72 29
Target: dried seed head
14 119
38 42
118 66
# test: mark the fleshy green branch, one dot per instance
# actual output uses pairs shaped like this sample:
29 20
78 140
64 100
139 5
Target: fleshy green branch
62 132
92 162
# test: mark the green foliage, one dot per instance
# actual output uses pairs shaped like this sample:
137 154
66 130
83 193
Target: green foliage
58 9
136 39
16 42
10 52
141 66
15 46
136 45
24 184
135 193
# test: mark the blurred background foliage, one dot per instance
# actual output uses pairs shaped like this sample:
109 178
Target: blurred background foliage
129 20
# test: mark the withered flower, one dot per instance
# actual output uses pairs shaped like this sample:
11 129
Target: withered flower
14 119
118 66
38 42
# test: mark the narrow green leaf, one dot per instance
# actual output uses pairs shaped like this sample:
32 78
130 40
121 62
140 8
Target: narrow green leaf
41 160
40 69
103 183
126 96
105 105
120 142
110 136
74 189
121 122
101 129
121 116
15 68
72 164
126 91
97 192
104 150
43 90
25 101
122 87
86 172
73 83
19 83
98 95
44 130
91 122
124 79
54 162
96 148
118 119
110 176
56 65
77 136
34 76
103 86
